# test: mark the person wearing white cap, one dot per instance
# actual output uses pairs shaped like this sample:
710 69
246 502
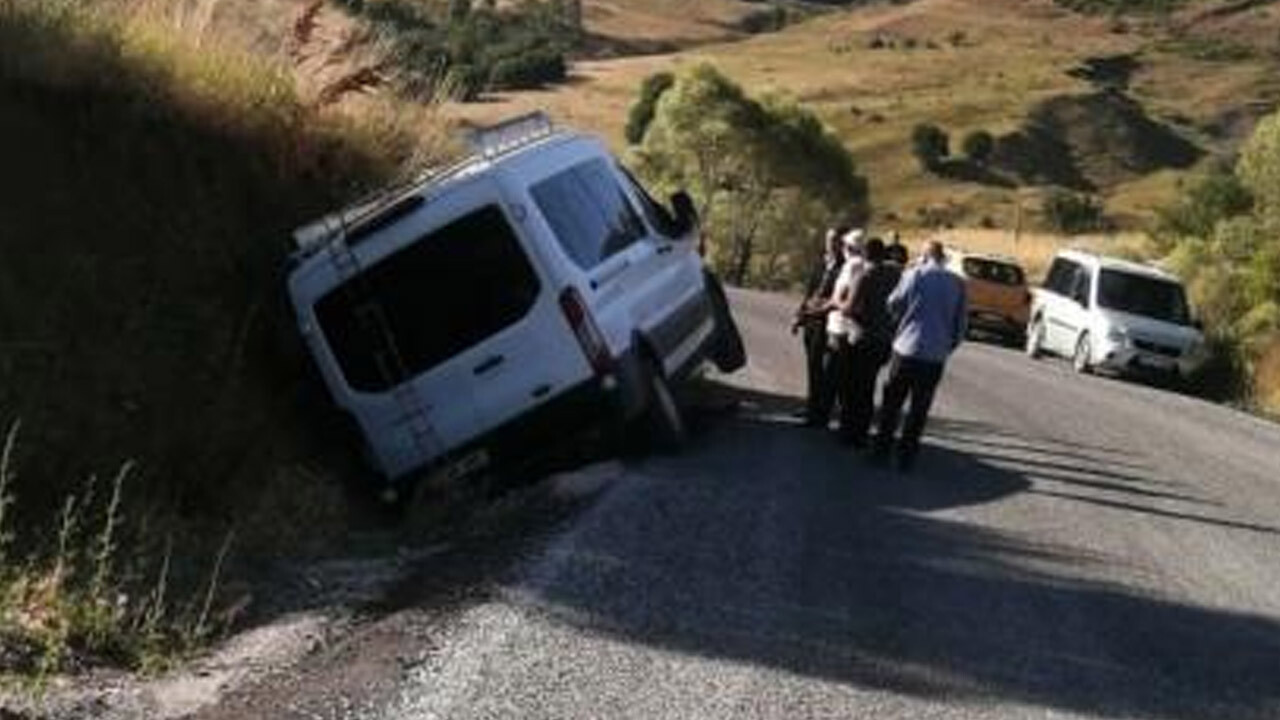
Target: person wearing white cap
840 325
838 322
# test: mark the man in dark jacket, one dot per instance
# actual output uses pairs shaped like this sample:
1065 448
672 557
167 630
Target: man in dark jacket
896 253
870 348
811 317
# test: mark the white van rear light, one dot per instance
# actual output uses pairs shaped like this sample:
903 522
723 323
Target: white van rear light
584 328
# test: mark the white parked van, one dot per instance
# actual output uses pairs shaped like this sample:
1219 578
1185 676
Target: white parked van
1111 314
505 301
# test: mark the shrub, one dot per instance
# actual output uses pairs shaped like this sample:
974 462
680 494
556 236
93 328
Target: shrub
978 146
931 145
473 49
771 19
1259 166
527 69
641 114
1073 213
1210 200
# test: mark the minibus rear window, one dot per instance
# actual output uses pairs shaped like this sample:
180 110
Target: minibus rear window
440 295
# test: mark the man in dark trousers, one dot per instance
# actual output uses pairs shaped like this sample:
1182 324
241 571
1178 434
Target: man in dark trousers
869 349
811 317
930 304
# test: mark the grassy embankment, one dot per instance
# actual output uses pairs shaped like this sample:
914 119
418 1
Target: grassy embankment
152 175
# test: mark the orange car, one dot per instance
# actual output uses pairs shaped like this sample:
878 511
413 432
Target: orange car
999 300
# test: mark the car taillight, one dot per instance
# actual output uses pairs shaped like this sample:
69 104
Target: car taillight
584 328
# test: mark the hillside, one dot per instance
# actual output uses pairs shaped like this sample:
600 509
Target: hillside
664 25
1194 81
1204 74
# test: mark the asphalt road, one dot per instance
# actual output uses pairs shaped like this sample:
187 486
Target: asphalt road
1068 547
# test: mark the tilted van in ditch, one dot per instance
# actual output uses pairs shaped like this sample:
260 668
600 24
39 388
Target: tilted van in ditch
506 300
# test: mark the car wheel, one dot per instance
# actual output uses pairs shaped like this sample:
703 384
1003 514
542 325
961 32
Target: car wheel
1082 361
1035 339
663 419
727 349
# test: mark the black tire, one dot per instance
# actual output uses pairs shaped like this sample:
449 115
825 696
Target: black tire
728 352
1080 358
1034 343
663 420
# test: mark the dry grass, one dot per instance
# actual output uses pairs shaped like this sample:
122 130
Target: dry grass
1034 250
1267 377
142 318
1015 55
665 22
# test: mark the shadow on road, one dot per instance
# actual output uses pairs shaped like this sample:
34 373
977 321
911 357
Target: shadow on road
769 545
1072 474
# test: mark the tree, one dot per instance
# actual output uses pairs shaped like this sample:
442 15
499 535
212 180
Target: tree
931 145
742 158
978 147
1223 238
1213 198
642 111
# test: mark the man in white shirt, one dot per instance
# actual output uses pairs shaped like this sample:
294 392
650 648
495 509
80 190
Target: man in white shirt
841 329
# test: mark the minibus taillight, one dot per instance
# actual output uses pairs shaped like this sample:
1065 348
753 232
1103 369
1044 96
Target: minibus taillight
585 329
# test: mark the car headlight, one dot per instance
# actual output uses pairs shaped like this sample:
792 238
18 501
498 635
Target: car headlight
1118 335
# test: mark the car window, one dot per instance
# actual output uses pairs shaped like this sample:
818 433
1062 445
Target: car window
1142 295
589 212
656 213
994 271
1061 274
1082 286
437 297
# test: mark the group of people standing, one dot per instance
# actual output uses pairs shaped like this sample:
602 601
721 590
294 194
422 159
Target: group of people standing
866 306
